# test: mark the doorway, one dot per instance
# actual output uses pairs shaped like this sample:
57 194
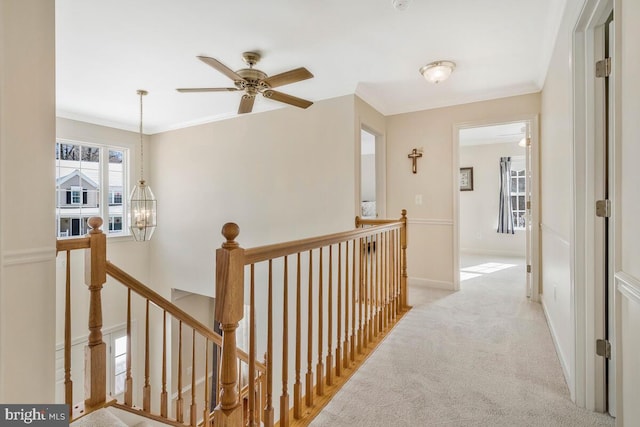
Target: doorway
496 209
372 179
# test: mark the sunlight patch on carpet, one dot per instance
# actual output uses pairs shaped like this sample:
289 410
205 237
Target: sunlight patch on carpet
487 268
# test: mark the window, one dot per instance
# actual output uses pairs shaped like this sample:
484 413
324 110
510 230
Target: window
75 195
518 193
119 352
90 180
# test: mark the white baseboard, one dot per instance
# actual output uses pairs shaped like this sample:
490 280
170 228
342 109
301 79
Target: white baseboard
561 358
430 283
489 252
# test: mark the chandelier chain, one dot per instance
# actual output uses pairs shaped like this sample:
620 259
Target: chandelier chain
142 93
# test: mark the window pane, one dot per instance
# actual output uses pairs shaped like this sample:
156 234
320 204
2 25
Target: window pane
120 364
118 387
120 345
514 202
90 154
521 185
521 202
115 156
514 185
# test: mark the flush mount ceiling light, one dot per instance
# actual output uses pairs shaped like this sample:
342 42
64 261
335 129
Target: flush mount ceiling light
437 71
400 4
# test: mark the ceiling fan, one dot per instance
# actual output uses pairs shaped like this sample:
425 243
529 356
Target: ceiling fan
253 82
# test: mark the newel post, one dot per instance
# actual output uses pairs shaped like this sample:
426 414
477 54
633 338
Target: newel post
403 260
95 353
229 311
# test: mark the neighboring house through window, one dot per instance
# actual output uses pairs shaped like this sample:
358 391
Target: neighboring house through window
90 180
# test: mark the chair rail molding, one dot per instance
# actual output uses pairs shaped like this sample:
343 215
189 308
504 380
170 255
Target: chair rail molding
430 221
28 256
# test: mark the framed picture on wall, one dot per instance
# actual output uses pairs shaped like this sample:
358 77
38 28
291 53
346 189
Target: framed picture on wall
466 179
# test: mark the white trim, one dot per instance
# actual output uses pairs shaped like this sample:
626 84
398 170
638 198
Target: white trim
428 221
565 369
472 251
628 286
430 283
587 388
28 256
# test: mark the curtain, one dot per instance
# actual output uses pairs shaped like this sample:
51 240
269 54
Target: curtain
505 215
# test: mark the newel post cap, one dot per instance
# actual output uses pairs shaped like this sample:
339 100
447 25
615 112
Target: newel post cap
95 222
230 231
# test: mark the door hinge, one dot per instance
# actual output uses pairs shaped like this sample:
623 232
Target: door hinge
603 208
528 268
603 348
603 68
529 205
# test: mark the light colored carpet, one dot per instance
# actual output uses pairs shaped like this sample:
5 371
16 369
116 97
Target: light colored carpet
479 357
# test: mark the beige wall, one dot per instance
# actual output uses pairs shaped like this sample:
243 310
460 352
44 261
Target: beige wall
431 224
479 208
280 175
27 232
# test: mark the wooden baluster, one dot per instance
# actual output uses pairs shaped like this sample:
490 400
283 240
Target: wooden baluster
355 336
179 401
319 366
268 410
207 402
398 274
364 294
146 390
378 325
347 341
375 250
370 289
164 403
194 414
386 281
96 350
252 348
128 382
229 311
403 257
68 384
218 368
284 399
297 386
339 310
329 363
309 376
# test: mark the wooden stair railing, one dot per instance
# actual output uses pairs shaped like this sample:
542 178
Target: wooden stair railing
204 342
355 291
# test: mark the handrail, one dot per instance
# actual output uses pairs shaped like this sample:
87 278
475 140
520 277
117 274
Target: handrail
157 299
264 253
73 244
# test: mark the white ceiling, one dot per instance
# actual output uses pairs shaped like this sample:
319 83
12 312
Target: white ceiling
107 49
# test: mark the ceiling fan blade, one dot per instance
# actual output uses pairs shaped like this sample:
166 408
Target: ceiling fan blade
288 77
246 104
221 67
208 89
287 99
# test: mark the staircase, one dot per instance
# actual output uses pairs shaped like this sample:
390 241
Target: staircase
327 300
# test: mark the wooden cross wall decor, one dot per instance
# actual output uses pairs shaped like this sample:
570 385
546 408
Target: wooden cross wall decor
414 156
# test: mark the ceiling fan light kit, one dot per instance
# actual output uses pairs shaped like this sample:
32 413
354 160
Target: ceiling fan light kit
253 82
438 71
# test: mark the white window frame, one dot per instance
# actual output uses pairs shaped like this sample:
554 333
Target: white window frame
76 193
518 164
105 194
